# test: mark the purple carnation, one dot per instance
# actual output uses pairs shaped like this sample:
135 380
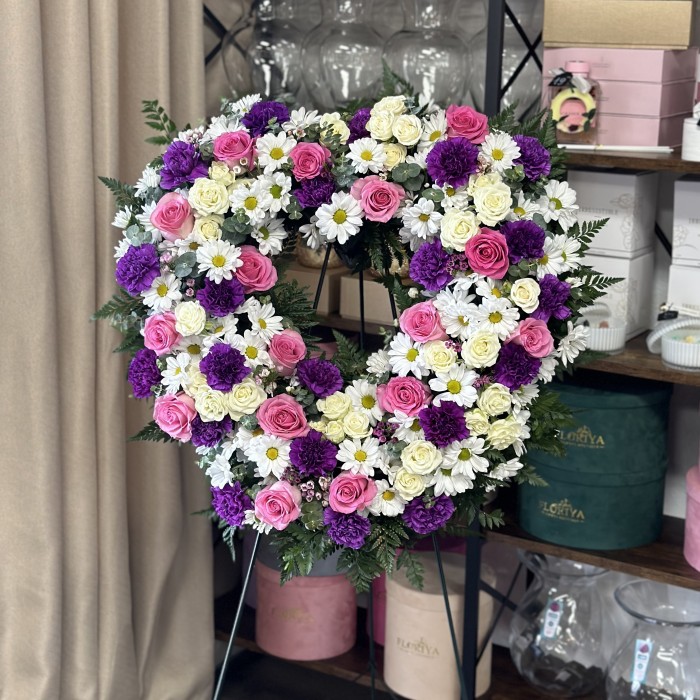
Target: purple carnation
429 266
312 454
525 240
451 162
143 373
515 366
534 157
258 118
426 517
358 124
347 530
554 293
223 367
182 163
209 433
319 376
443 424
137 268
221 299
315 191
230 503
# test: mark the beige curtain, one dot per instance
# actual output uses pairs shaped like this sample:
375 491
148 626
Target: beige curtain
105 577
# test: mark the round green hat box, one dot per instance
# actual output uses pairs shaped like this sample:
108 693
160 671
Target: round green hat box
608 491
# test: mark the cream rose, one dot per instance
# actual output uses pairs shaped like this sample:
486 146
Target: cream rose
209 227
336 124
481 350
208 197
492 203
438 357
211 404
380 123
421 457
335 406
318 425
240 182
220 172
407 129
408 485
477 422
396 104
356 424
244 398
334 431
484 180
395 153
504 432
495 399
457 227
190 318
196 381
525 293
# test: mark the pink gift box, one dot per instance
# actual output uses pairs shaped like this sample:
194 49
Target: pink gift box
691 545
624 130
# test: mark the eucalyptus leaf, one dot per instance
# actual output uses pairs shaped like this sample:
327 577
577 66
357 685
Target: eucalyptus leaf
433 194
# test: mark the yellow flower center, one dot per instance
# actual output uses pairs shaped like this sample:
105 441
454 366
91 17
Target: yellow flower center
415 426
544 260
250 203
162 289
463 320
251 352
366 155
497 154
424 217
193 245
218 329
276 153
412 354
271 453
218 261
360 456
446 472
450 191
368 402
388 496
563 255
435 135
556 202
496 292
340 216
454 387
276 191
264 233
519 211
495 317
194 349
464 454
258 432
262 323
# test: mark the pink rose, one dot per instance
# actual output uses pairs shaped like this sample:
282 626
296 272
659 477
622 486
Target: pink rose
487 253
308 159
159 333
350 492
286 350
278 505
378 198
534 336
235 148
405 394
257 273
173 217
467 122
174 414
283 417
421 322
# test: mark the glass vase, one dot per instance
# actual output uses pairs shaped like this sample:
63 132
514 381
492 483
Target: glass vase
659 659
556 631
428 54
342 56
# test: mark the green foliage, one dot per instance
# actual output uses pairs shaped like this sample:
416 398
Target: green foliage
361 567
124 194
151 433
491 519
387 535
393 84
548 415
400 292
229 537
119 306
414 568
298 549
291 300
593 287
349 359
133 341
584 233
528 475
158 120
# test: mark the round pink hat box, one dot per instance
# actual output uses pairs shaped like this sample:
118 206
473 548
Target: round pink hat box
691 545
307 618
419 662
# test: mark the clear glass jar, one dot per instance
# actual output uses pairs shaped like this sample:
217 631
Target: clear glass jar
660 657
573 101
556 631
428 54
342 56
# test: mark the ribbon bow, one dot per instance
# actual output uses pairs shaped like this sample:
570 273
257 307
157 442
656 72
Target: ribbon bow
564 78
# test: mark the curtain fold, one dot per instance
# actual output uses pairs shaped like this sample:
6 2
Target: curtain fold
105 577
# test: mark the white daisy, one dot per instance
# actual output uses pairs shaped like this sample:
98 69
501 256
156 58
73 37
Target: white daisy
189 244
552 261
489 288
122 218
521 417
367 155
457 312
300 120
363 397
388 501
252 521
454 198
218 259
150 179
447 480
193 345
270 235
464 457
270 454
524 208
407 427
419 158
573 343
405 357
144 219
175 375
378 363
524 396
547 369
254 199
218 328
434 130
253 348
499 150
121 248
455 385
278 185
264 321
273 151
558 203
341 219
221 124
570 248
422 220
219 472
244 437
497 315
506 469
311 235
242 106
359 456
163 293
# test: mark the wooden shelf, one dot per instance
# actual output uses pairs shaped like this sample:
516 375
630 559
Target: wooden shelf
666 162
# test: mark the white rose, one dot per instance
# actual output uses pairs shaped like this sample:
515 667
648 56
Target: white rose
493 203
395 153
196 381
525 293
190 318
504 432
240 182
334 431
457 227
396 104
484 180
356 424
211 405
495 399
335 406
380 124
477 422
208 197
421 457
438 357
336 125
481 350
408 485
244 398
220 172
407 129
318 425
209 227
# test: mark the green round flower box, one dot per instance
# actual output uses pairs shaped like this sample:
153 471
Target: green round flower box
608 491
